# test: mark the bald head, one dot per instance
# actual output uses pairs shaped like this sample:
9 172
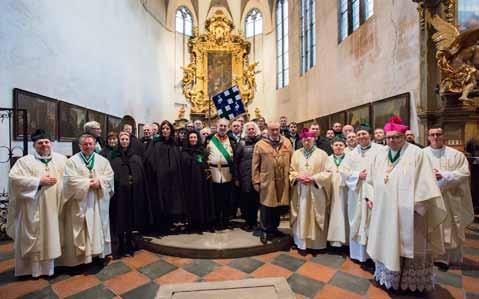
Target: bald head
273 129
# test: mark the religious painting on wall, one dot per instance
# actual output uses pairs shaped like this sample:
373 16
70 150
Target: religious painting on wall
338 117
467 14
323 124
219 72
397 105
41 113
72 118
359 115
113 123
100 118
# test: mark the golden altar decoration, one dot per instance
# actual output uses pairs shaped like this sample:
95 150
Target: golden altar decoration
219 60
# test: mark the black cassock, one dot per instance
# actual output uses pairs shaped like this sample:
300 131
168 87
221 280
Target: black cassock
163 168
200 206
129 207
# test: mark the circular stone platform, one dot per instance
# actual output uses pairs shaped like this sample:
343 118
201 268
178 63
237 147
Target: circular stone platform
230 243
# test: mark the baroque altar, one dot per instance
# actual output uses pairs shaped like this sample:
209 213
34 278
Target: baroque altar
219 60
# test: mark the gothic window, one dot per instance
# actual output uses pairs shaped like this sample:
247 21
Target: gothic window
254 23
307 34
282 63
184 21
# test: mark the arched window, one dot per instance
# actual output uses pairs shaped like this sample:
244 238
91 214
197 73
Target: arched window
282 63
254 23
184 21
308 34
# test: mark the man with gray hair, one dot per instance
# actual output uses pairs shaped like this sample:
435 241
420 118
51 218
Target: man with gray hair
220 150
92 128
270 176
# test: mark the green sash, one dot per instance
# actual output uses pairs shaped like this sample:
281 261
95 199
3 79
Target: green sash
221 148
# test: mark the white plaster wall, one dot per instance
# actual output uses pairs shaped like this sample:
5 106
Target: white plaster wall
107 55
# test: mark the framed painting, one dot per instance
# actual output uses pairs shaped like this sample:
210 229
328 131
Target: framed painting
219 72
140 131
359 115
467 14
71 119
42 113
323 124
338 117
397 105
113 123
99 117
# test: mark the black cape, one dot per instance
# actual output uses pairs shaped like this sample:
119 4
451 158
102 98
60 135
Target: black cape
199 204
163 169
129 207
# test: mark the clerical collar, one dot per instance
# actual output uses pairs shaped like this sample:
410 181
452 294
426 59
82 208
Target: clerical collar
338 159
40 157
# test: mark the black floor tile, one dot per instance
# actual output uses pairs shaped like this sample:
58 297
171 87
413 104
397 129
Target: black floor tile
449 278
288 262
112 270
329 260
303 285
157 269
148 290
42 294
98 292
201 267
247 265
350 282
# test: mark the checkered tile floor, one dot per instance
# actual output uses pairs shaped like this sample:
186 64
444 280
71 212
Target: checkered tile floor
326 275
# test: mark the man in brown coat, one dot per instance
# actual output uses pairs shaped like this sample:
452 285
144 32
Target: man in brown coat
270 174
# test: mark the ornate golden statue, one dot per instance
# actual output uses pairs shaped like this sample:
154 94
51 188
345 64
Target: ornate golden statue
219 60
181 112
457 58
257 113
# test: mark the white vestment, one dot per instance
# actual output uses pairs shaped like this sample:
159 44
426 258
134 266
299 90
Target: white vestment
310 203
405 220
358 190
85 211
33 214
456 191
338 230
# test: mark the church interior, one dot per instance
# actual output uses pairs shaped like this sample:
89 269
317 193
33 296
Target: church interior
66 63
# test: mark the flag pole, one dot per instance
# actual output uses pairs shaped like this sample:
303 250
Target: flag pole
209 113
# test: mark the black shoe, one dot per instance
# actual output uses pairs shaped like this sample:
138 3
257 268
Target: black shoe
443 266
263 238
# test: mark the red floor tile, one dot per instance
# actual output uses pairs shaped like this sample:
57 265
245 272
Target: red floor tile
332 292
316 271
21 288
269 270
224 273
141 258
126 282
177 276
74 285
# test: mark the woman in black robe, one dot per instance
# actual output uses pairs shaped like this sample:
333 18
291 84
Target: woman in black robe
111 145
129 210
163 168
201 212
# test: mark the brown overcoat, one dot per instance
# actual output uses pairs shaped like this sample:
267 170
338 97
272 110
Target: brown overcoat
270 171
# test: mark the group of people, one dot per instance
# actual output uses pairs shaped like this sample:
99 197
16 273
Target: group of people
390 201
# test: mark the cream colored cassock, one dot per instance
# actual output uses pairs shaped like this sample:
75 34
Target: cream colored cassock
310 203
33 214
338 229
358 190
84 214
456 191
404 232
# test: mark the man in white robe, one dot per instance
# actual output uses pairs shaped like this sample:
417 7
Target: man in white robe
407 210
88 186
451 170
338 230
311 188
354 170
35 193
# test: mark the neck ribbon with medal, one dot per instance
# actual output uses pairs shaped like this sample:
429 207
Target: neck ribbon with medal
89 163
392 162
338 160
45 161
